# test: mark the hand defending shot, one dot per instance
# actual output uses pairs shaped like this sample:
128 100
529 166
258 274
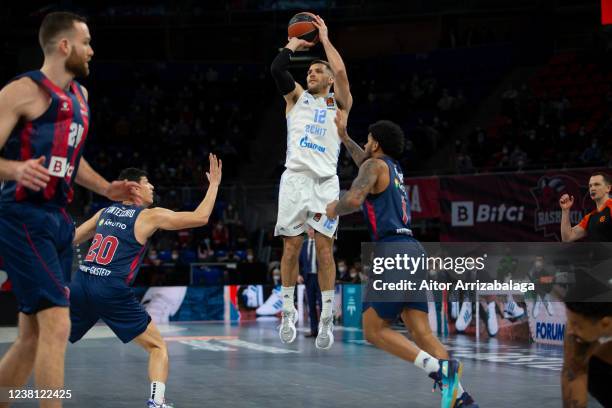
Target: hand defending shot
341 120
214 173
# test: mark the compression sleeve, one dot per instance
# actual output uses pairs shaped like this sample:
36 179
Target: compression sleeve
284 81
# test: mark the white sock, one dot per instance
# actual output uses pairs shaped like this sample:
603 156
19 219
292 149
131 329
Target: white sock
327 298
460 390
426 362
157 392
287 295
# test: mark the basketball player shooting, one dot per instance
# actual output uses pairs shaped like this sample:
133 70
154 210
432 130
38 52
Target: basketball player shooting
310 181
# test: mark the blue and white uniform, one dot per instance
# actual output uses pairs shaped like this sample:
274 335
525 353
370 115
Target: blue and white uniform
310 181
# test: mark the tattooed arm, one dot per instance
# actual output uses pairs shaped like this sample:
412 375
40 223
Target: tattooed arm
574 376
361 187
353 148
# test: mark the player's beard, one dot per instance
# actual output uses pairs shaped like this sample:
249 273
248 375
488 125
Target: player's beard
76 66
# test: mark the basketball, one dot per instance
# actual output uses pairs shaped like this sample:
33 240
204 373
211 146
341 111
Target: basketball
301 26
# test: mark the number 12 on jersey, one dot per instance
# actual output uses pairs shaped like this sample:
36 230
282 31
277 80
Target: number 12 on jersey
319 116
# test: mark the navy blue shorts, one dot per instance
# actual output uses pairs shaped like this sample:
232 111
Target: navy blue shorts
392 310
36 250
110 299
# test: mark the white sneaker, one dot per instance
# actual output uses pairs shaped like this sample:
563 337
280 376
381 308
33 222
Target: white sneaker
454 310
465 317
325 338
513 311
272 306
287 331
548 305
536 307
492 326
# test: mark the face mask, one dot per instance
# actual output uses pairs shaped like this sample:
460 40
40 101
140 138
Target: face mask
175 257
342 269
249 258
353 274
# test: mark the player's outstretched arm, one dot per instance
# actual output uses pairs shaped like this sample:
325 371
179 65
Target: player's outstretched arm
342 89
161 218
279 69
569 233
86 230
116 191
15 98
362 186
353 148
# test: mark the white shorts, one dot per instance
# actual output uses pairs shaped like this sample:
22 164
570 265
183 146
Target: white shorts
302 200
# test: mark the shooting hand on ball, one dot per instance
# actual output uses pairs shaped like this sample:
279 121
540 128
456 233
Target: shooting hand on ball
320 24
297 44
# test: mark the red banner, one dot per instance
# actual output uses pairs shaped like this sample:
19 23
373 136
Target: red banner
606 12
424 197
511 207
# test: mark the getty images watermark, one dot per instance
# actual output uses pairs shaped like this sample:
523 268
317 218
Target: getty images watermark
412 271
460 265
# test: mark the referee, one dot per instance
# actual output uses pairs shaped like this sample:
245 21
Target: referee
596 226
587 355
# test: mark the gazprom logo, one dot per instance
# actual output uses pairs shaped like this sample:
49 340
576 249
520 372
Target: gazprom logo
550 331
304 142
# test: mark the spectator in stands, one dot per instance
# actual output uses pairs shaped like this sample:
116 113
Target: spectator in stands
250 256
518 158
353 275
220 236
308 271
152 258
232 221
464 162
341 268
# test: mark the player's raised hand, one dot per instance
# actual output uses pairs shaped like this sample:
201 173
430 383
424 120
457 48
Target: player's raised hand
297 44
124 191
566 201
341 120
214 173
32 175
320 24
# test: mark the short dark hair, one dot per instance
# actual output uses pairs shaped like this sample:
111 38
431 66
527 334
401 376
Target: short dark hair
56 23
389 136
132 174
590 310
605 176
327 65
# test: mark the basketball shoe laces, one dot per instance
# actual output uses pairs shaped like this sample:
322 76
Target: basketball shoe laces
437 380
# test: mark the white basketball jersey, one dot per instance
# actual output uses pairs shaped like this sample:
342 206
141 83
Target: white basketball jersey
312 137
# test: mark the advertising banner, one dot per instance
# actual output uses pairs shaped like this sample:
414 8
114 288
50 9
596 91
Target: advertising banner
511 207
